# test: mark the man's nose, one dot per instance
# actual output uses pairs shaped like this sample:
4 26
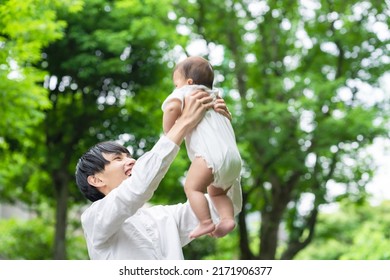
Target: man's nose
129 161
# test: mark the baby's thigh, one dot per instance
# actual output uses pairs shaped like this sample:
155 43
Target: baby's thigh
199 176
215 191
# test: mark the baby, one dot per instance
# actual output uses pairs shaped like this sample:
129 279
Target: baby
211 146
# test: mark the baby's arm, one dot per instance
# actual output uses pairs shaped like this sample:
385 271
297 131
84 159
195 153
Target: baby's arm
172 112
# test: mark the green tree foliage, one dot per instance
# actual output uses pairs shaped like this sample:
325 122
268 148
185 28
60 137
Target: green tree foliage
13 231
354 232
33 240
297 72
26 27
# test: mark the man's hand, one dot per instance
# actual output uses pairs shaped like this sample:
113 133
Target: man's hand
196 105
220 107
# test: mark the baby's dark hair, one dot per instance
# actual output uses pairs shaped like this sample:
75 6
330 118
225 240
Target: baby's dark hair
93 162
198 69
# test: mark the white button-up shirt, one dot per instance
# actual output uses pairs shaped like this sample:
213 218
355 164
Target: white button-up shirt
118 227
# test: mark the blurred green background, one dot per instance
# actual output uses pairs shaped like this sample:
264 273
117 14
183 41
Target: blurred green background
307 83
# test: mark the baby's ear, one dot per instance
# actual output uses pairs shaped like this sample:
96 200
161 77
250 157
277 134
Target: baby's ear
190 81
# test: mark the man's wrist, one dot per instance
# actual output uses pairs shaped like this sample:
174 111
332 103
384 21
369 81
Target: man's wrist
178 131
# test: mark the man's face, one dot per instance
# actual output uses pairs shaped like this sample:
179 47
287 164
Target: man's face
119 168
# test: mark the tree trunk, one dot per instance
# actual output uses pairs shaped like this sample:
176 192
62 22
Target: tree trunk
62 194
245 251
271 219
269 234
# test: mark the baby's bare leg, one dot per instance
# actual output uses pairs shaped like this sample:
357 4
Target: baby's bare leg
224 207
198 178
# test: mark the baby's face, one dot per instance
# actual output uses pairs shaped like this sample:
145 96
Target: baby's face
179 80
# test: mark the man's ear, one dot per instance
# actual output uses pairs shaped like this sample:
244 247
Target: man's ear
190 81
95 181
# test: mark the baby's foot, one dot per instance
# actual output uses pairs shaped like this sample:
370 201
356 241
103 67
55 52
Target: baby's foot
202 229
224 227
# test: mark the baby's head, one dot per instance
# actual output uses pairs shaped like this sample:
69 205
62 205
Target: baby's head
194 70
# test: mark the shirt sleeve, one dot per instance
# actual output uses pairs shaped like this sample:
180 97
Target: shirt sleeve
105 216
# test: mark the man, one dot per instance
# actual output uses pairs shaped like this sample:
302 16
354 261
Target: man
116 226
